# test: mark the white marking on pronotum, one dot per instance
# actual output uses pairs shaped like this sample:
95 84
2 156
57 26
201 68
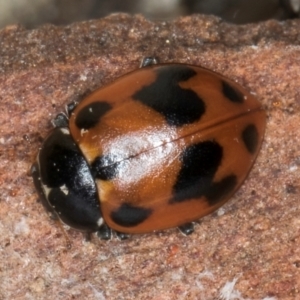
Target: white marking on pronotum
46 190
100 222
64 189
65 131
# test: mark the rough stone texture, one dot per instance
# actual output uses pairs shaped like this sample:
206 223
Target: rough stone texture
248 249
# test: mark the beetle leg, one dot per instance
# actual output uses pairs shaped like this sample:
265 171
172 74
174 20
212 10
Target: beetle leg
149 61
187 228
60 121
104 232
122 236
70 107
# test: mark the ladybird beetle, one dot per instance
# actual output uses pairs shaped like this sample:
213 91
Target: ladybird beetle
159 147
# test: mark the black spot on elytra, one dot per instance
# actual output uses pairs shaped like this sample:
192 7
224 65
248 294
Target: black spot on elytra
128 215
179 106
218 190
104 167
231 93
90 115
199 165
250 138
200 162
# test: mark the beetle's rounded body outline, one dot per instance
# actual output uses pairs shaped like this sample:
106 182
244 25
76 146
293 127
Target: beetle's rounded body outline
159 147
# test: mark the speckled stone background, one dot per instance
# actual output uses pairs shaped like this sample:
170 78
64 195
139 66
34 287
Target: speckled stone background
248 249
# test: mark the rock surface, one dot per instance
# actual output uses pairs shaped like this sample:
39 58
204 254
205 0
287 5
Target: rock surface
248 249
